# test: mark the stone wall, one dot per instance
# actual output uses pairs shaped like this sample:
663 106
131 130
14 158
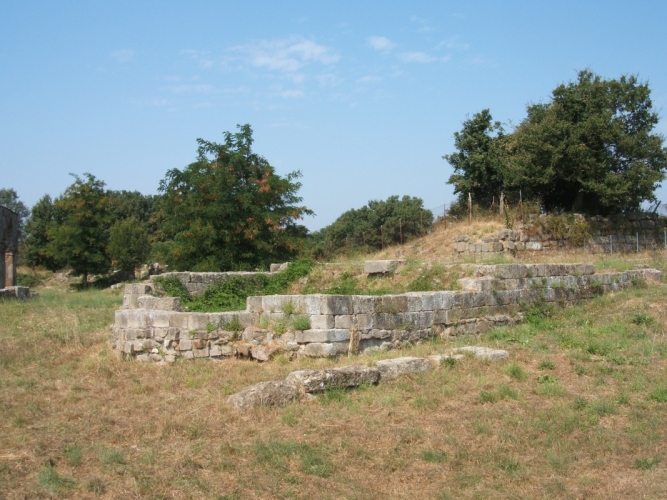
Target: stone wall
154 328
9 244
198 282
621 234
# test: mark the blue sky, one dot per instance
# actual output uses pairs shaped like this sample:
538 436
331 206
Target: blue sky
362 97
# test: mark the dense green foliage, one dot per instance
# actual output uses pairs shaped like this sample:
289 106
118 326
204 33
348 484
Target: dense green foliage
129 246
590 149
229 210
373 226
80 239
43 216
231 294
125 204
478 162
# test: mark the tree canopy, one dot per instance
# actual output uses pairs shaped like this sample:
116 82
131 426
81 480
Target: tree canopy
229 209
79 240
379 223
590 149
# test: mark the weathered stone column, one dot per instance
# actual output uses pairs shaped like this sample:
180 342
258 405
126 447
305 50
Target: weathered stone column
10 269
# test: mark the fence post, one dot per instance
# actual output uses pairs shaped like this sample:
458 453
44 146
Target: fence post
381 237
611 244
470 209
637 242
400 229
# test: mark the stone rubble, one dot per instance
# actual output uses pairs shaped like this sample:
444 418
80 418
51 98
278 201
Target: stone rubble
299 385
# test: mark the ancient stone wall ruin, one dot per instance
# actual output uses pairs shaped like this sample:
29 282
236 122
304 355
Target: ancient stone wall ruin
9 245
151 328
629 233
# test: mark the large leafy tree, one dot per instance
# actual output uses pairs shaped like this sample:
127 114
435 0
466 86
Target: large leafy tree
126 204
35 244
592 148
479 159
80 238
380 222
129 246
229 209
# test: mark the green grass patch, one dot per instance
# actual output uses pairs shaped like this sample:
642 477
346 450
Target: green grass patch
231 294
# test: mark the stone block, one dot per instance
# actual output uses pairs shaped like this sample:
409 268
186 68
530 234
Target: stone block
159 303
158 319
319 350
331 335
394 304
363 304
322 321
197 321
485 353
263 352
365 321
312 304
391 369
310 381
254 304
345 321
276 393
185 344
381 266
337 304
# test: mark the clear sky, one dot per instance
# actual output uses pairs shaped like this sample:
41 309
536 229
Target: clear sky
362 96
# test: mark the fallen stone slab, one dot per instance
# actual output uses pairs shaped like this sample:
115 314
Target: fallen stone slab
391 369
382 266
485 353
273 393
335 378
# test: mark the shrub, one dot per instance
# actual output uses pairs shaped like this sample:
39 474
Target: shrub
301 323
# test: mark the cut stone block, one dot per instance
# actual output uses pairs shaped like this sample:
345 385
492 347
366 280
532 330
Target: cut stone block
320 350
382 266
485 353
335 378
391 369
275 393
331 335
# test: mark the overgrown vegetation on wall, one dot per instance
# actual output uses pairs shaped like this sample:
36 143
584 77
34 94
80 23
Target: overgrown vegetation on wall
231 294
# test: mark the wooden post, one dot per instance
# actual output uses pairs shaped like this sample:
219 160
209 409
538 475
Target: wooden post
400 229
470 208
381 237
502 204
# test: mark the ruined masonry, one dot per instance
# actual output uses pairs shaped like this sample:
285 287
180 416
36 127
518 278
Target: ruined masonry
9 245
151 328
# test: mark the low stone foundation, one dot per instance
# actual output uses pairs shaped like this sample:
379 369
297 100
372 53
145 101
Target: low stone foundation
15 292
154 328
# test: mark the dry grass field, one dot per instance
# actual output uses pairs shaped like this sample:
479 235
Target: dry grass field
578 411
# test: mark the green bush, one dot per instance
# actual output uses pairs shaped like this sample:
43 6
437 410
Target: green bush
231 294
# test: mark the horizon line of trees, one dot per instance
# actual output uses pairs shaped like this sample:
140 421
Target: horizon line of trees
590 149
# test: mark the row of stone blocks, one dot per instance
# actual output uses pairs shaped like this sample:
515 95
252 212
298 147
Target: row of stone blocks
196 282
344 324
